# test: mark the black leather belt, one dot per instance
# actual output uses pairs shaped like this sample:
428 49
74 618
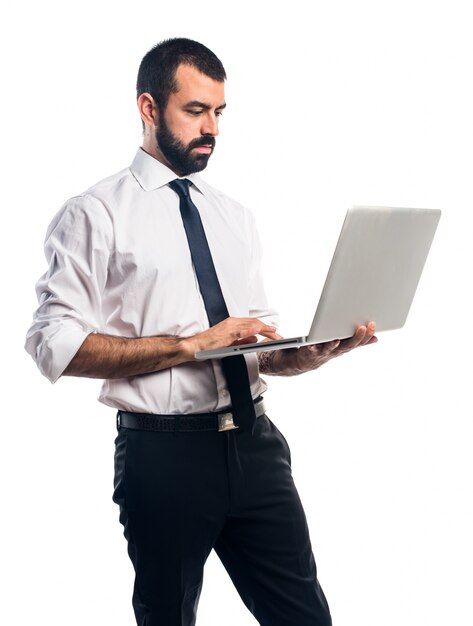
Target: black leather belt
221 421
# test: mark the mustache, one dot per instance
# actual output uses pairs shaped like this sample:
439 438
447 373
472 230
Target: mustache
205 140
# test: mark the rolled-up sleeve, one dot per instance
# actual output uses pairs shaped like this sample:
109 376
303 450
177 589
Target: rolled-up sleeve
77 248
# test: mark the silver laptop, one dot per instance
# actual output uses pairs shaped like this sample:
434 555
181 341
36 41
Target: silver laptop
373 276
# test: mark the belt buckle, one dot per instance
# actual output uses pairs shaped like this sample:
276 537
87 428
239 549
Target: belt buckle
225 422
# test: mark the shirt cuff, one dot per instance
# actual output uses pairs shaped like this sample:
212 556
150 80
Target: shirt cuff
58 350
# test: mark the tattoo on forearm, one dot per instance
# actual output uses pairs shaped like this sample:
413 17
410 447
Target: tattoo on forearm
266 362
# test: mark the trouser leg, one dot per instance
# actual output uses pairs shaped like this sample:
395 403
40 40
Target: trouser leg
172 493
265 544
180 495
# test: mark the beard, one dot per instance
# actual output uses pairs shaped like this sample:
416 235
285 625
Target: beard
180 156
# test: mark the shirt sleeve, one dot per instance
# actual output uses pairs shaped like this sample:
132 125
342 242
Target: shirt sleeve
77 249
259 306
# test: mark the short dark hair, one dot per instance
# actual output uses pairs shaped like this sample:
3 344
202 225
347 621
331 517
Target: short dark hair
157 72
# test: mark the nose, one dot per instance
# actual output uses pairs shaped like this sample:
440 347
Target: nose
210 124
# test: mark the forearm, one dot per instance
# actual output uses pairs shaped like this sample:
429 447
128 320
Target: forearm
279 362
106 356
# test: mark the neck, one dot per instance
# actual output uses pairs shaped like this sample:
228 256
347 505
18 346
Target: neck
152 148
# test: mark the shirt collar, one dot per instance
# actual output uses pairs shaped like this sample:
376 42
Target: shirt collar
152 174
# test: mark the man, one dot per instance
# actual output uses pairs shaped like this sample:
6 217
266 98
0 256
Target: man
148 267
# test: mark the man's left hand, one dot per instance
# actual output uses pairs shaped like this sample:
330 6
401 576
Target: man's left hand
295 361
312 357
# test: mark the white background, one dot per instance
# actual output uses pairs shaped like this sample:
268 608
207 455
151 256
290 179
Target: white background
329 104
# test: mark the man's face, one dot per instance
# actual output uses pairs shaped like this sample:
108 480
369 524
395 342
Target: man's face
187 128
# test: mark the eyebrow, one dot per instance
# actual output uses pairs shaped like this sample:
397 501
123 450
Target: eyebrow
203 105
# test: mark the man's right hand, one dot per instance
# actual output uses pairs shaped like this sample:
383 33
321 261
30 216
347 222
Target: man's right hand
231 331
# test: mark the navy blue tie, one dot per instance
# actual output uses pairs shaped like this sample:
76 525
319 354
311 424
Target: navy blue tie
234 368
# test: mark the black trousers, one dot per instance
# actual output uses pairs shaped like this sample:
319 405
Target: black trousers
182 494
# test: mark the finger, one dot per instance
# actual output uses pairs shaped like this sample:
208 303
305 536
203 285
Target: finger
360 336
270 334
254 338
327 346
355 341
255 327
364 335
370 331
267 330
250 339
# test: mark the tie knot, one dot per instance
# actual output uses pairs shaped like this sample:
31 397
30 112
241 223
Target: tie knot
181 187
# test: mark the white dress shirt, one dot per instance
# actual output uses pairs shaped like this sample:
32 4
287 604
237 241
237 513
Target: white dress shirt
119 264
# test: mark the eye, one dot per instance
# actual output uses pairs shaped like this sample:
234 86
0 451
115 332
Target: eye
218 113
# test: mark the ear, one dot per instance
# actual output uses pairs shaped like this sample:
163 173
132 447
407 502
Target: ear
148 109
